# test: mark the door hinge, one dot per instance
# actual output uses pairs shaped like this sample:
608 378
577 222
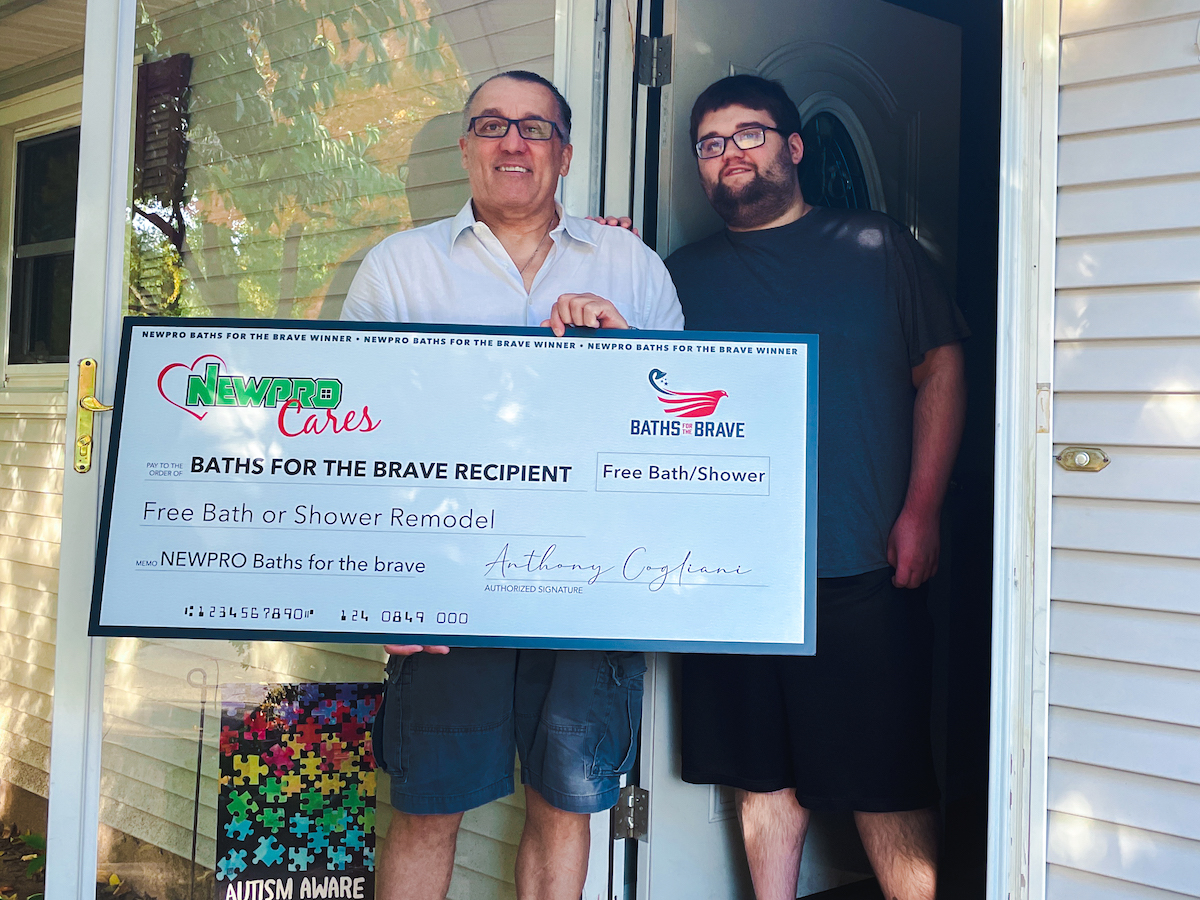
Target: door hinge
631 815
654 60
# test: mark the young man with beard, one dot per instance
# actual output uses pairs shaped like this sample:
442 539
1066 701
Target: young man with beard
450 721
847 729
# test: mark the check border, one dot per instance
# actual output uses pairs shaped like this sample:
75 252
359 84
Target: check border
808 647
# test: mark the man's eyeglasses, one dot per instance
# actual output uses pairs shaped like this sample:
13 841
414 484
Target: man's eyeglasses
529 129
746 139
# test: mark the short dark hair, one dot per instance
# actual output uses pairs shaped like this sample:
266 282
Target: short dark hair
564 108
752 92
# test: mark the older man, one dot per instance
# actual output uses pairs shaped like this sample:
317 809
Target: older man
450 721
847 729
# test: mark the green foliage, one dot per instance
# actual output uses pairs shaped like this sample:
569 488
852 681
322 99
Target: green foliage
293 103
157 277
37 859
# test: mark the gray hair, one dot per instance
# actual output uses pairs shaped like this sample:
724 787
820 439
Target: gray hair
564 108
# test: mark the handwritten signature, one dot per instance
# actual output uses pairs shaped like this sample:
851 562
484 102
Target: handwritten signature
635 568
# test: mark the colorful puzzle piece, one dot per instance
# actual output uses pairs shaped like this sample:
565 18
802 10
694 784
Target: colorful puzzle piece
333 819
300 858
273 791
367 820
352 732
352 802
269 852
241 805
310 693
369 859
355 839
335 754
327 712
238 829
271 819
230 740
249 769
332 784
338 857
301 825
288 712
367 780
308 734
256 725
279 758
368 754
311 801
318 839
364 710
229 866
310 766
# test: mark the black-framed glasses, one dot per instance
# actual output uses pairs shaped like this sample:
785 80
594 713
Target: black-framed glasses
746 139
530 129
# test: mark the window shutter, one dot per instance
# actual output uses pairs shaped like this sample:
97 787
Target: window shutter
160 141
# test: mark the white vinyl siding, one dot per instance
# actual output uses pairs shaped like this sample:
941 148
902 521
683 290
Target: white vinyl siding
31 473
1123 786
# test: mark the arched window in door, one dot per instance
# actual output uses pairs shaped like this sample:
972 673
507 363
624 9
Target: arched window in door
831 173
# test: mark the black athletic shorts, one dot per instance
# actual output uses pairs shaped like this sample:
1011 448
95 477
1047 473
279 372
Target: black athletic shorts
847 729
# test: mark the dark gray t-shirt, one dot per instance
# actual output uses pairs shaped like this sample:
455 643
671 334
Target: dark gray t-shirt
860 281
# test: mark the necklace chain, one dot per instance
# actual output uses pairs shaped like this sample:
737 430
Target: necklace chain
549 227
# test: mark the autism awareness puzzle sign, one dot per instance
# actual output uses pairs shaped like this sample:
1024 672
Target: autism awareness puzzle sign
296 814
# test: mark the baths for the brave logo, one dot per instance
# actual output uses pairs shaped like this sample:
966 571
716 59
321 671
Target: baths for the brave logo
686 414
684 404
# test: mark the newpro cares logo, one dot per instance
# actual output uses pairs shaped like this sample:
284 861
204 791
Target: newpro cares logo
685 405
205 385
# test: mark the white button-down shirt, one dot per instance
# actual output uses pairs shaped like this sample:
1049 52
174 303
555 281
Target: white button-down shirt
456 272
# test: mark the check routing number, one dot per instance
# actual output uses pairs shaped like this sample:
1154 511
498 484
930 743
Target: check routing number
470 486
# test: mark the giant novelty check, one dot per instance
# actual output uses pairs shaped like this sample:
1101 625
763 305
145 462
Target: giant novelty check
470 486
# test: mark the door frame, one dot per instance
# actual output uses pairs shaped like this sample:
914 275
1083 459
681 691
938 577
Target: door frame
78 711
1016 841
1016 858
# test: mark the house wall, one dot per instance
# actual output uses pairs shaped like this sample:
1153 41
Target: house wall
31 471
32 452
1123 788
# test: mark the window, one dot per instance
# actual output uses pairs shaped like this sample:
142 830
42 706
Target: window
831 173
43 248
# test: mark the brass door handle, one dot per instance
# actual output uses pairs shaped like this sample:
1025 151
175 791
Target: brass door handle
88 406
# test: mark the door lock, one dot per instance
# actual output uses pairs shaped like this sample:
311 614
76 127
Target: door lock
88 407
1083 459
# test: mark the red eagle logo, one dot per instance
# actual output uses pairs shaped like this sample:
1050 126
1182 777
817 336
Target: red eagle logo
685 405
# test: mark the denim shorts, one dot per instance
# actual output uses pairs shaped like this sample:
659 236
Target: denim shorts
448 726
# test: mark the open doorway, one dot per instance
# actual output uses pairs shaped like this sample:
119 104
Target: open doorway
901 108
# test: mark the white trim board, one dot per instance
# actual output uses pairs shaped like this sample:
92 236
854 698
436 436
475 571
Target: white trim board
73 820
1024 352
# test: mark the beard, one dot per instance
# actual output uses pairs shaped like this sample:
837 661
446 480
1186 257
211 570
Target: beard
766 197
